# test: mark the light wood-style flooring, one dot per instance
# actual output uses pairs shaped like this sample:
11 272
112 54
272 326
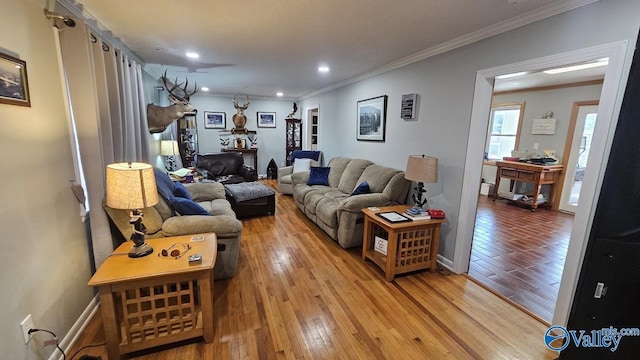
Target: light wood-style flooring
520 254
298 295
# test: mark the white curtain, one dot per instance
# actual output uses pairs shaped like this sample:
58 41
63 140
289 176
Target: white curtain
109 113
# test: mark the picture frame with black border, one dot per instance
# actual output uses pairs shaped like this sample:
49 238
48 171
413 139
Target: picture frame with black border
266 119
14 85
215 120
393 217
371 120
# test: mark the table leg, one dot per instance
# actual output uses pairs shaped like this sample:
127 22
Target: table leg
435 244
366 238
110 322
496 186
206 301
392 248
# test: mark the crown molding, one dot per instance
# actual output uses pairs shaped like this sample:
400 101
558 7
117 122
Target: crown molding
496 29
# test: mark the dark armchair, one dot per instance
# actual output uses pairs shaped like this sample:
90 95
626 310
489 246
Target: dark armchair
226 168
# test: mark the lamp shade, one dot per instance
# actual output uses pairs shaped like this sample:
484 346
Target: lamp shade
131 186
422 168
169 148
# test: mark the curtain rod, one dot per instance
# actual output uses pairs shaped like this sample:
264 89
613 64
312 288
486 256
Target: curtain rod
76 9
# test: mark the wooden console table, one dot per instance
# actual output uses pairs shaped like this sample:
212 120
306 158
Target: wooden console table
155 300
411 245
252 152
537 174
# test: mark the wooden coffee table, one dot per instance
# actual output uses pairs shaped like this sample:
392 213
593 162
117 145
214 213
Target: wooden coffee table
411 245
156 300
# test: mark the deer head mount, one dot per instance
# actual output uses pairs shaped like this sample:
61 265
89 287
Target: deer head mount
159 117
239 119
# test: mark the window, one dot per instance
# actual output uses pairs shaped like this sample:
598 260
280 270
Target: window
504 130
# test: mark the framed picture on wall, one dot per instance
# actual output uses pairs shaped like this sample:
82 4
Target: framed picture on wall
370 123
266 119
215 120
14 87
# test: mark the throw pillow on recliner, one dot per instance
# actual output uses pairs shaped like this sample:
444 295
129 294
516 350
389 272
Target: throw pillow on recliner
319 175
181 191
363 188
177 195
300 165
187 207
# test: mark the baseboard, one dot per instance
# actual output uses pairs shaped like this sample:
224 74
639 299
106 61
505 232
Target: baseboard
76 330
445 262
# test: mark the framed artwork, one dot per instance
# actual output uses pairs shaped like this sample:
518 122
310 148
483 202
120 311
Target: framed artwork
543 126
372 114
14 88
215 120
266 119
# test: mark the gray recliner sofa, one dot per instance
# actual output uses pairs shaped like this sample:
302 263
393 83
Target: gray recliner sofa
162 221
335 210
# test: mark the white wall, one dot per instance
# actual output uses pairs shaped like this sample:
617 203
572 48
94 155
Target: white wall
445 84
560 101
271 141
44 262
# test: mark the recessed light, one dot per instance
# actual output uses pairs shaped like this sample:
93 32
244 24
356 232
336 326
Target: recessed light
204 88
507 76
323 69
280 94
192 55
600 62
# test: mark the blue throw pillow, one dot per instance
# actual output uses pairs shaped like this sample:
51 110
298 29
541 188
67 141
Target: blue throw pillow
319 176
165 186
187 207
181 191
363 188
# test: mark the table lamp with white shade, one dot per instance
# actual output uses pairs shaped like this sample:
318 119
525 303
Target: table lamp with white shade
421 169
132 186
169 148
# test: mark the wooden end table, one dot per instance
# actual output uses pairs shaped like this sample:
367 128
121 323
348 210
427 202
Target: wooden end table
156 300
411 245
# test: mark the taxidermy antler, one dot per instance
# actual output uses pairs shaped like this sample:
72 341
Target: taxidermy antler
159 117
239 119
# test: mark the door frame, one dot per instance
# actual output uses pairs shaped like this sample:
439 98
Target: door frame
306 124
568 144
607 120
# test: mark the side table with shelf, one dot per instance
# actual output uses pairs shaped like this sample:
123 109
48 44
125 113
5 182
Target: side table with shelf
411 245
154 300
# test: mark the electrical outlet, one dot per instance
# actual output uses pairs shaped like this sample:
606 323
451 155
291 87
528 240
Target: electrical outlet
26 325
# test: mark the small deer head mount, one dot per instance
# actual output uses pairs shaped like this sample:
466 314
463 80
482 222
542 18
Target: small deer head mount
239 119
158 117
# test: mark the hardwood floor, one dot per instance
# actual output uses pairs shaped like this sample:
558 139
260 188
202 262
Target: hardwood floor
520 254
298 295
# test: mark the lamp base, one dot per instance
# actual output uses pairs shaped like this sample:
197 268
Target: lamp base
141 250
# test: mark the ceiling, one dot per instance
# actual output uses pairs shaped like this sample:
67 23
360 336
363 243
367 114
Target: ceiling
261 47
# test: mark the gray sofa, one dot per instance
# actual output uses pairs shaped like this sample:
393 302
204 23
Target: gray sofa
335 210
161 221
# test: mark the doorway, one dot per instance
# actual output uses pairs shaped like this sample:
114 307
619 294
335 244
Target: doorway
311 127
578 146
592 180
